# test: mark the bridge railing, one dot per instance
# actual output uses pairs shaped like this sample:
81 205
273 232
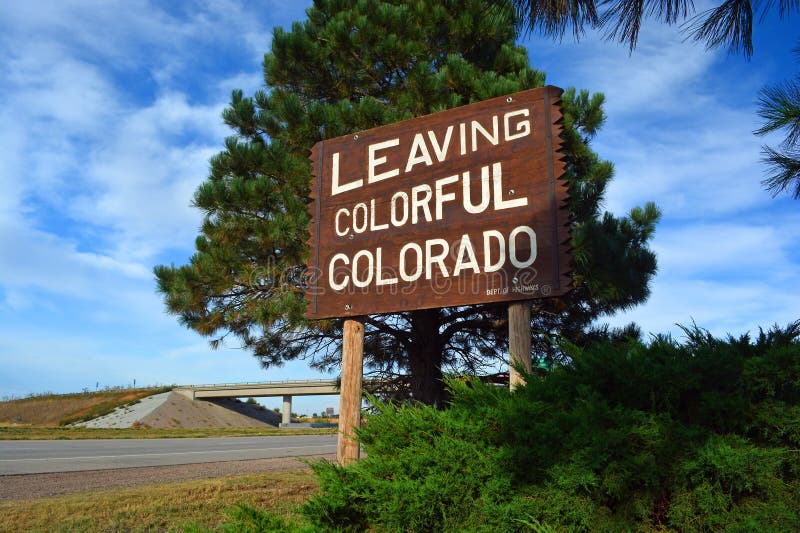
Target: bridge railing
281 382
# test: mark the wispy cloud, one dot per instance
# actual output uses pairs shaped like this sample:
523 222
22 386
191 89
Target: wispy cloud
96 152
139 182
728 277
679 132
110 113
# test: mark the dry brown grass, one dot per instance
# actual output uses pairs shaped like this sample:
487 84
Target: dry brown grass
163 507
54 409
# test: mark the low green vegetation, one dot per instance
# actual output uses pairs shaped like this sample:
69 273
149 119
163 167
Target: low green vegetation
71 433
702 435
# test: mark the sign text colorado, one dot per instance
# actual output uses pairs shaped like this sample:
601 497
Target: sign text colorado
460 207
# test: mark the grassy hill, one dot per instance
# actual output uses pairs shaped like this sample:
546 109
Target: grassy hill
48 410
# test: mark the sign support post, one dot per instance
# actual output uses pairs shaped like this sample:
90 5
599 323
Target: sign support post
348 450
519 341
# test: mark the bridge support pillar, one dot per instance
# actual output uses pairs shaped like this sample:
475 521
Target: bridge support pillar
286 413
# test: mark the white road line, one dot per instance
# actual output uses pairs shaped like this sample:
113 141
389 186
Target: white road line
159 454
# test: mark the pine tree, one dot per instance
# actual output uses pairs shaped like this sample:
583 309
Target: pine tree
779 107
353 66
729 24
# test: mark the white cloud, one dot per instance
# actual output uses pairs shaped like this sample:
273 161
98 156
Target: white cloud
34 259
81 148
679 131
140 181
110 113
12 168
49 85
663 74
710 171
720 307
71 362
51 100
708 250
122 33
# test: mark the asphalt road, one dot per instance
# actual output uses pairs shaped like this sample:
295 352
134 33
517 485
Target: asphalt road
42 456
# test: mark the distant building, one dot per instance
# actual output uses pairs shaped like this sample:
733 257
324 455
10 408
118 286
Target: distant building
329 411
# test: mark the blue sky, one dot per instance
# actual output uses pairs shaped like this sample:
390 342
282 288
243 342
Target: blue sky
110 110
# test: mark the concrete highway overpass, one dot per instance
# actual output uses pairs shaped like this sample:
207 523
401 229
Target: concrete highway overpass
269 388
286 389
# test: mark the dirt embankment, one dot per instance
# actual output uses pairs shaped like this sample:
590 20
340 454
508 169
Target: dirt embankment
59 409
174 410
154 408
178 411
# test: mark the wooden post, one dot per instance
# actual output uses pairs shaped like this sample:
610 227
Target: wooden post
519 341
348 449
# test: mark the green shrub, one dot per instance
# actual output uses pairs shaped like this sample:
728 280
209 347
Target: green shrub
693 436
696 436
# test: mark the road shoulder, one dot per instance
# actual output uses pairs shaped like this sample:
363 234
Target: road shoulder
31 486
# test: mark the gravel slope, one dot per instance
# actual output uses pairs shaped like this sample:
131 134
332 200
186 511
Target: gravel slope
174 410
127 415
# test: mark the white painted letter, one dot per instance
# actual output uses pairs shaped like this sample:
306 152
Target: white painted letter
416 202
512 246
432 258
444 197
493 137
488 266
335 187
441 151
418 145
375 161
346 212
397 222
523 127
469 207
363 227
405 276
332 270
379 268
472 262
372 225
499 203
369 270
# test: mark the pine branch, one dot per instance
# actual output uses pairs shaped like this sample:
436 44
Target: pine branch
554 17
779 106
730 24
783 172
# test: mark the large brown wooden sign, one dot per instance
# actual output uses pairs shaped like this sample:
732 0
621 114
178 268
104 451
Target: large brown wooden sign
460 207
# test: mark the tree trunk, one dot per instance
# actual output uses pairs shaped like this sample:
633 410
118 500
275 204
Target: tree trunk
425 359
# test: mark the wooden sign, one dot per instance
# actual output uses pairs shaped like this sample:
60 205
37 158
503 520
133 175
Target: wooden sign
460 207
